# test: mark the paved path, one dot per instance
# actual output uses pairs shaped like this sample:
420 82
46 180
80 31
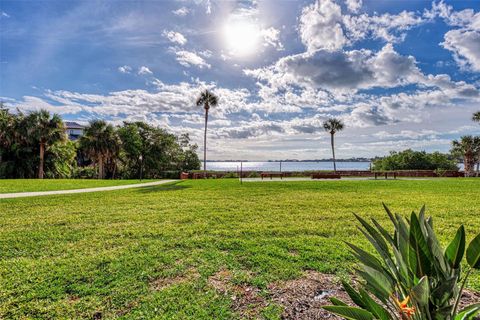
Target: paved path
49 193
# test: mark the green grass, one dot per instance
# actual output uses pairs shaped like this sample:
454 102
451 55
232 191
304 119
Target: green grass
27 185
72 256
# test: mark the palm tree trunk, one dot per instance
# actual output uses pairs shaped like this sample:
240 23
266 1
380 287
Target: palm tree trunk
205 145
42 155
333 153
100 168
469 164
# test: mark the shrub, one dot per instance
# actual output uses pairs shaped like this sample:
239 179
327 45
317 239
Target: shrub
254 174
415 278
414 160
230 175
85 173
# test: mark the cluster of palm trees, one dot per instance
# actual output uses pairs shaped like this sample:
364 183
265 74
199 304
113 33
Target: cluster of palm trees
36 145
468 147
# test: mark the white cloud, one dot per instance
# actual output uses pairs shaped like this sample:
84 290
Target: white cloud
144 70
320 26
125 69
189 58
175 37
324 27
271 36
182 12
464 42
353 5
465 45
3 14
356 69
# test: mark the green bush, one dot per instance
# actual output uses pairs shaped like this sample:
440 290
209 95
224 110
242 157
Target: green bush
254 174
230 175
415 160
85 173
415 278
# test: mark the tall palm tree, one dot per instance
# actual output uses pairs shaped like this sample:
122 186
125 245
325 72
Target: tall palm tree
45 129
101 143
467 147
332 126
207 100
476 117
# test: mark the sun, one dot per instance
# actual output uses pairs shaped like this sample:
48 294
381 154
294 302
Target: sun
241 37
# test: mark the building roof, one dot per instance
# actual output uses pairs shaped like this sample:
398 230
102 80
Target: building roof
73 125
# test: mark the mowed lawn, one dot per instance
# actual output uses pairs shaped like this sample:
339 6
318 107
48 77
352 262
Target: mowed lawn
148 253
30 185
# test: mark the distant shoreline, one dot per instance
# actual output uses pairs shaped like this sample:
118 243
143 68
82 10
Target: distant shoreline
320 160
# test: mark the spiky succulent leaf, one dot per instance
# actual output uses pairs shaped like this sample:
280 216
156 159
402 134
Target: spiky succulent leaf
376 309
350 312
456 248
420 255
469 312
337 302
473 253
421 292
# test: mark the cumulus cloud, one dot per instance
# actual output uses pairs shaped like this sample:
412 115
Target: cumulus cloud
271 37
144 71
465 45
189 58
125 69
175 37
339 70
464 42
323 26
182 11
353 5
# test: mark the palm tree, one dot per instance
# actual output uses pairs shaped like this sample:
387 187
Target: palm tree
332 126
476 117
467 147
207 100
101 143
45 130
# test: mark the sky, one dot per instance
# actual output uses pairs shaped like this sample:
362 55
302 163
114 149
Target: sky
399 74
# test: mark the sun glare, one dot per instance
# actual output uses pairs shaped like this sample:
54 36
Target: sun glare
241 37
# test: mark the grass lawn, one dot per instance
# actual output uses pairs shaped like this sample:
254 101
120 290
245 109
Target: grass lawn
148 253
27 185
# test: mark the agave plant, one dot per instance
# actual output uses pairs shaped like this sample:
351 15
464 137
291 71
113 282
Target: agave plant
412 277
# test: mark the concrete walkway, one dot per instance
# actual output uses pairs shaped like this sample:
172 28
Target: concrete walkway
49 193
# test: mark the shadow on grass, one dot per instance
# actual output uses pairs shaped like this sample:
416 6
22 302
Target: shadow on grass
174 186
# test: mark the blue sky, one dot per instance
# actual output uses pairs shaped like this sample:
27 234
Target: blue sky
400 74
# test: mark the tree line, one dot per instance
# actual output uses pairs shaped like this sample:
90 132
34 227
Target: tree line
35 145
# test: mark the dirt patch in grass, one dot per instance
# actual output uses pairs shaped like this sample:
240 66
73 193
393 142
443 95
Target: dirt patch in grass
162 283
247 301
303 298
469 297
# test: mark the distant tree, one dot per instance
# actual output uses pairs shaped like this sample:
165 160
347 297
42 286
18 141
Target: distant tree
45 130
332 126
101 143
207 100
467 147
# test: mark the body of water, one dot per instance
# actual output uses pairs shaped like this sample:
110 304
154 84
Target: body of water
286 166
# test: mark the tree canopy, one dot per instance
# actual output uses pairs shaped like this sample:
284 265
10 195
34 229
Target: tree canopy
415 160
